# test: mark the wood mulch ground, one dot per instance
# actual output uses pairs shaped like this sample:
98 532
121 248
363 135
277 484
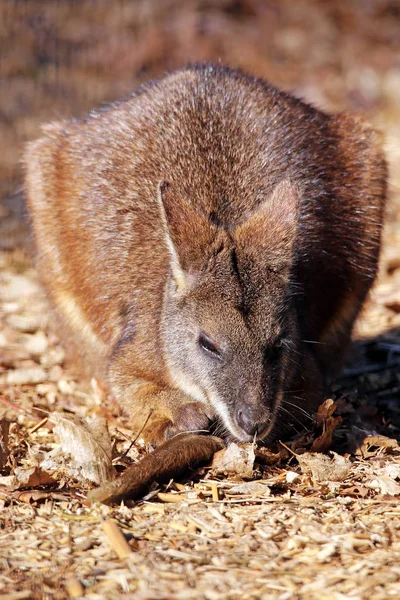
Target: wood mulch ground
277 523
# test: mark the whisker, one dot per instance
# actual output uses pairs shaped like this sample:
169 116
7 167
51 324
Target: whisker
297 407
315 342
292 362
289 346
180 433
282 408
221 430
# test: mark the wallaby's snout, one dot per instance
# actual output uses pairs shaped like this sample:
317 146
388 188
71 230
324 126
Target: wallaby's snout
252 420
251 411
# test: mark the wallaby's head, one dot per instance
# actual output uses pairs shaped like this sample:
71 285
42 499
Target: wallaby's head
229 326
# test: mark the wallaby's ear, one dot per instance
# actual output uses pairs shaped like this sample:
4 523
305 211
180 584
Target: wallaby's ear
268 234
188 234
163 192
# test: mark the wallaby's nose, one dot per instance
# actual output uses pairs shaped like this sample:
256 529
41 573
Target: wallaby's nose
248 419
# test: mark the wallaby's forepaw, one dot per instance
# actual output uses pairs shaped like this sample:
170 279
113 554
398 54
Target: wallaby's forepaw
190 417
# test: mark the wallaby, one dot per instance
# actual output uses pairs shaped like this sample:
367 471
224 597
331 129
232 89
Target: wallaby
207 244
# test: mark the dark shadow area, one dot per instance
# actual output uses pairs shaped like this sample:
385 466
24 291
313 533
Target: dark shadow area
368 391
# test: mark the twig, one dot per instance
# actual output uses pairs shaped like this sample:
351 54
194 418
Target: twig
138 435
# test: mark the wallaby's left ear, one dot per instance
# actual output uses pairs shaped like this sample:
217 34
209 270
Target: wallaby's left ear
188 234
268 234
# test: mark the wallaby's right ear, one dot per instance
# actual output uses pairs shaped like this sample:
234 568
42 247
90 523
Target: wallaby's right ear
188 234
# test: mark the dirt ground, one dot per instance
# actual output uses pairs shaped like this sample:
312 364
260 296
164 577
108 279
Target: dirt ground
277 523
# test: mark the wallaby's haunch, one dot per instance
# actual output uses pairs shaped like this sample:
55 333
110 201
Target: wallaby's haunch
207 245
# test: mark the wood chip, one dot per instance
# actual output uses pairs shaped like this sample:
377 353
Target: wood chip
26 376
170 497
74 588
215 495
117 539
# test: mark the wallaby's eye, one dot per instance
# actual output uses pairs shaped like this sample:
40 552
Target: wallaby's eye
209 346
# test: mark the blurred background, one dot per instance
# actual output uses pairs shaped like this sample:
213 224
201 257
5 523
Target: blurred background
60 58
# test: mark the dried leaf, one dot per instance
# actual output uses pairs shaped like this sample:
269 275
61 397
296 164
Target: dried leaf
358 491
321 468
31 478
386 485
301 442
328 423
8 481
265 456
251 488
323 442
368 443
235 459
31 496
88 443
325 410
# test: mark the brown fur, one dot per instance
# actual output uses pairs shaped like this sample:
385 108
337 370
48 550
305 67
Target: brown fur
208 202
171 459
